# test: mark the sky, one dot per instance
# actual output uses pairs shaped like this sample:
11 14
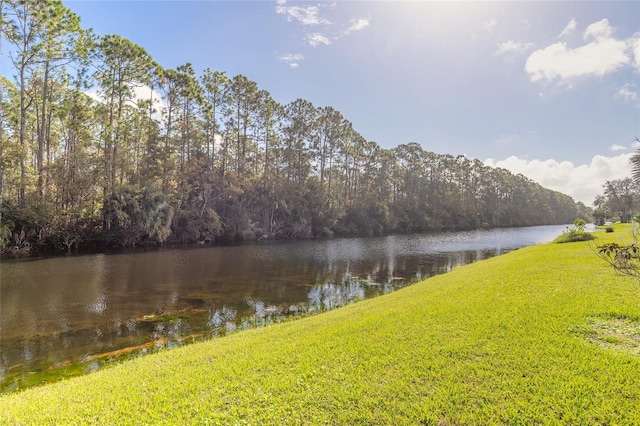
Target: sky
549 89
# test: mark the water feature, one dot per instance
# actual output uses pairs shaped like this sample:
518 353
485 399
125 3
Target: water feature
70 315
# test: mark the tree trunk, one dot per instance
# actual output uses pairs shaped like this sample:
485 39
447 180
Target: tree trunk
23 123
2 3
42 131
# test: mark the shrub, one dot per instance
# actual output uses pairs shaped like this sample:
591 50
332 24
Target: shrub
625 259
136 214
577 233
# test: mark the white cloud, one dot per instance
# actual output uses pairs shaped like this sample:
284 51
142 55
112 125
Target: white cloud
325 32
601 56
93 94
559 62
140 93
634 46
628 92
569 29
291 59
600 30
316 39
356 25
306 15
581 182
511 46
616 147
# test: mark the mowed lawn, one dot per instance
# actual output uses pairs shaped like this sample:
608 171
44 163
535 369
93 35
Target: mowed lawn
543 335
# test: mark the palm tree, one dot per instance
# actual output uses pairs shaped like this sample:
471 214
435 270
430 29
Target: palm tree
635 163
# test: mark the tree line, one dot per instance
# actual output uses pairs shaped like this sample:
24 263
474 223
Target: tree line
620 198
206 157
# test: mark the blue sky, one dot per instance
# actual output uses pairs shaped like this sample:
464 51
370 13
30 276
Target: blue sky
547 89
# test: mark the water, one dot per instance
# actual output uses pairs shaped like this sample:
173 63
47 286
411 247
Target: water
67 316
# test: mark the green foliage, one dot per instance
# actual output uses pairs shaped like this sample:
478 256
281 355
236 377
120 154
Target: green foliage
575 234
620 198
230 161
21 229
635 164
191 227
74 227
5 228
138 215
623 258
572 235
601 214
365 219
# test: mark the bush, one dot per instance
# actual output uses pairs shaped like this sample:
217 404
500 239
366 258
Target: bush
577 233
136 215
573 236
625 260
608 229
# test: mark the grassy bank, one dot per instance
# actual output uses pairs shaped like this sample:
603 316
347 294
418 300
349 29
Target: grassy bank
541 335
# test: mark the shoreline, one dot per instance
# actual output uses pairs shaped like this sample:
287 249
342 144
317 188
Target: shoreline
502 340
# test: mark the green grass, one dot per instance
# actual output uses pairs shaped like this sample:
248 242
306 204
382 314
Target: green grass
515 339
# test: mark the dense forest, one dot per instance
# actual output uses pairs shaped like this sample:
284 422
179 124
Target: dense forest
207 157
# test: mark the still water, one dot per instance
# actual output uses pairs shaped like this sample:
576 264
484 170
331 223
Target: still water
67 316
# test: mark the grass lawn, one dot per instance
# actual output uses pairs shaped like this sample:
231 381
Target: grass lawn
543 335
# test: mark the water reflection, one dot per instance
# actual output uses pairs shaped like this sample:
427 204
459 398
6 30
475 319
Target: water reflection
85 310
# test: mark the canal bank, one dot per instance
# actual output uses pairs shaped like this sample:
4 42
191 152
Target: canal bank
511 339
